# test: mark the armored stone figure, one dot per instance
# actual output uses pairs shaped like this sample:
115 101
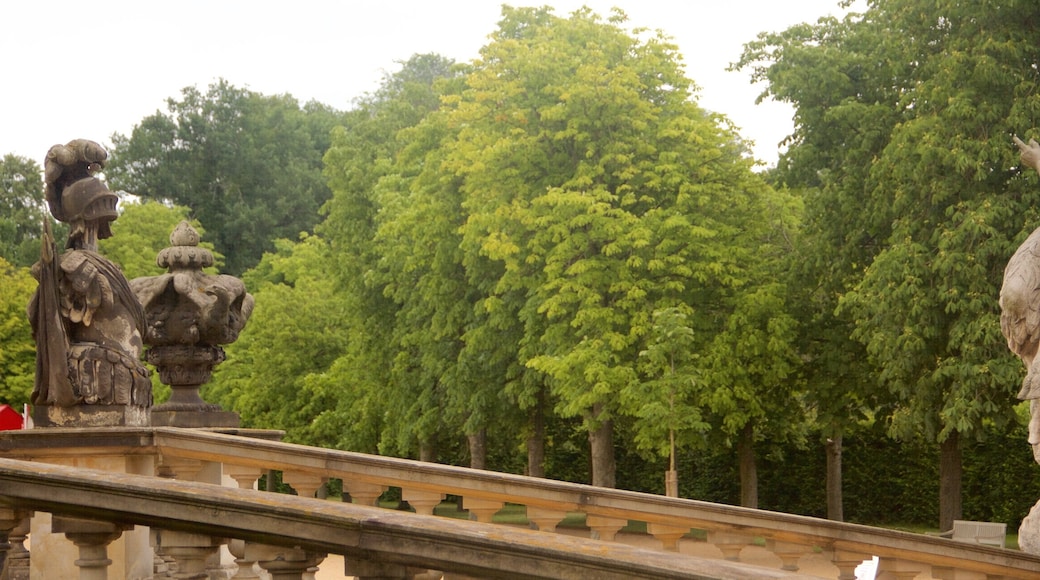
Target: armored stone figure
1020 323
86 321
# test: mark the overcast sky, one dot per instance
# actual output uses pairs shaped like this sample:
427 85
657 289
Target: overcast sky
89 69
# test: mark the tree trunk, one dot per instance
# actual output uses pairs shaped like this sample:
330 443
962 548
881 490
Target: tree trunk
478 449
835 507
427 452
536 442
951 469
601 444
748 471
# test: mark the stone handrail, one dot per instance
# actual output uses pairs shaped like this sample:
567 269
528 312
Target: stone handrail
332 527
729 527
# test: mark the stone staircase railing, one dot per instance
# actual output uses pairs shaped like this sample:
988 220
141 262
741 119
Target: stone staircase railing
185 454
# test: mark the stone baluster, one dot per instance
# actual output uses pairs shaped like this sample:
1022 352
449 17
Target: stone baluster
181 468
483 509
244 475
92 538
545 519
246 568
730 544
899 569
949 573
364 493
421 500
847 562
305 484
788 553
283 563
190 552
184 469
14 558
604 528
668 535
17 556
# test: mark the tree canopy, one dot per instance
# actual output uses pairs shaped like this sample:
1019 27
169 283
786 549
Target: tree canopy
514 232
904 122
22 209
247 165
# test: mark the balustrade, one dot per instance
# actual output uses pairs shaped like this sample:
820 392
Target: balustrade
735 533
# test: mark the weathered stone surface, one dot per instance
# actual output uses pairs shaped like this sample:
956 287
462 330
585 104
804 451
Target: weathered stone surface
91 416
1029 532
189 315
87 322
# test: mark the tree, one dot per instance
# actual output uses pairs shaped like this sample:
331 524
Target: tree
18 354
910 107
594 189
142 231
22 209
248 165
662 401
382 237
297 330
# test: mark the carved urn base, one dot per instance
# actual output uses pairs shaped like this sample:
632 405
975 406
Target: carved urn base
185 369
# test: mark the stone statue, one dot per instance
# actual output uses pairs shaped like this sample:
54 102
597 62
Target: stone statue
86 321
1020 323
1020 308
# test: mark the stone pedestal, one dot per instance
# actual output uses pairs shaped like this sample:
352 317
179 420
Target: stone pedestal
195 419
91 416
186 368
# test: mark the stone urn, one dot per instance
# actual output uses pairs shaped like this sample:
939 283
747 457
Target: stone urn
189 315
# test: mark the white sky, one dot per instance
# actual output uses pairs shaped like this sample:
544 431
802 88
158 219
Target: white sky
89 69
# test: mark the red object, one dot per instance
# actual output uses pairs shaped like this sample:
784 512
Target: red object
9 418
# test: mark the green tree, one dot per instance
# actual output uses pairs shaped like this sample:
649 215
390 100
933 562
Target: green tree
248 165
142 231
910 107
599 193
296 330
375 223
17 348
22 209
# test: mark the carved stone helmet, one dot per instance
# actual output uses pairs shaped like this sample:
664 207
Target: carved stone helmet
74 195
90 200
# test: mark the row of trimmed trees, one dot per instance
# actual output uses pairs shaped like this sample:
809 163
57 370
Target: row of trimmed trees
555 232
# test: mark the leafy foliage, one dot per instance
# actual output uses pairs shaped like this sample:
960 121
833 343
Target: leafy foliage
510 233
17 348
142 231
21 209
248 165
913 202
297 329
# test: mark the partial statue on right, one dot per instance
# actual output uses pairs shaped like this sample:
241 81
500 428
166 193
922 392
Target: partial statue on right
1020 323
1020 308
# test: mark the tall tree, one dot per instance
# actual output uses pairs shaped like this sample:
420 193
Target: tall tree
248 165
22 209
925 143
597 193
838 79
297 330
382 237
